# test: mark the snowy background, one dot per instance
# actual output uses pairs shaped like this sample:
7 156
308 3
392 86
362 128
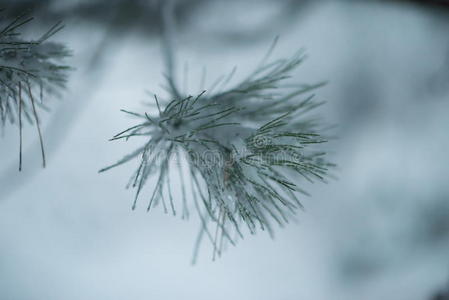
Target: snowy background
380 230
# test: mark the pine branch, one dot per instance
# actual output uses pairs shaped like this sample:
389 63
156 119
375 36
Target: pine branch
244 170
35 64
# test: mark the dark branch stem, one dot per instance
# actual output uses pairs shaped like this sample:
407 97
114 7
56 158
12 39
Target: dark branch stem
168 32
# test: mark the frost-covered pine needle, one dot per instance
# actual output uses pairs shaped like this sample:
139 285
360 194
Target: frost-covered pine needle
28 71
247 149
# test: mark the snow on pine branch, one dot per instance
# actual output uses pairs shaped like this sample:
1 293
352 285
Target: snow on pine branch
247 149
29 70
